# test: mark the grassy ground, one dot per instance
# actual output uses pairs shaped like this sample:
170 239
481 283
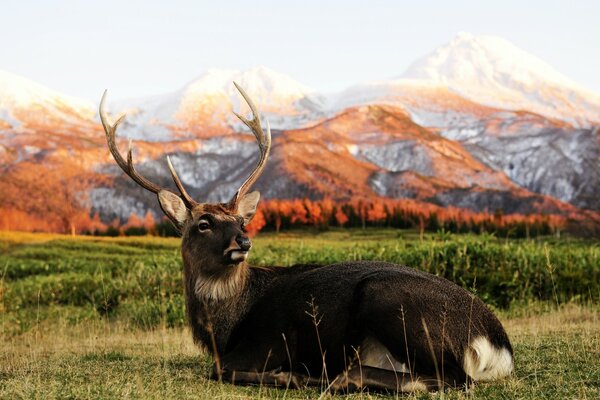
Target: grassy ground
556 358
103 318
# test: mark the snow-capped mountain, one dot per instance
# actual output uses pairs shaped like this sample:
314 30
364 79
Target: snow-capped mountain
492 71
542 155
204 106
25 103
478 124
429 104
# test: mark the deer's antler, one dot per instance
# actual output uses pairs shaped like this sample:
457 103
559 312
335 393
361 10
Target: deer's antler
127 166
264 145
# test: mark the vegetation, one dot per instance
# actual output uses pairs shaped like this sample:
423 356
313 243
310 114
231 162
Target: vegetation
282 215
103 317
402 214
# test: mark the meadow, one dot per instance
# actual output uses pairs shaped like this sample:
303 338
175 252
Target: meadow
89 317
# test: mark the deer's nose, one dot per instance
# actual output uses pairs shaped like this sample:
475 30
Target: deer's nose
244 242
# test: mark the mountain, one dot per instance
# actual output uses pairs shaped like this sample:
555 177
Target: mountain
24 104
510 110
203 107
362 152
38 123
437 135
541 154
544 156
492 71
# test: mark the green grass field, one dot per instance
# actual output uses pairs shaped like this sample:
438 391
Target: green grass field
93 317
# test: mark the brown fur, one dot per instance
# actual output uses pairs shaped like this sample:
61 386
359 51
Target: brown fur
301 323
214 286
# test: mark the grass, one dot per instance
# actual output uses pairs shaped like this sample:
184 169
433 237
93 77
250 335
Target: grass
556 358
104 317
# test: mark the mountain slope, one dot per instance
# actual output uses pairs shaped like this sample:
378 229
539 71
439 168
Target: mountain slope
37 123
203 107
362 152
541 155
428 103
420 138
492 71
24 104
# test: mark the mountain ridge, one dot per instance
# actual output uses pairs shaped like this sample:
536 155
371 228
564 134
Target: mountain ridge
492 71
398 138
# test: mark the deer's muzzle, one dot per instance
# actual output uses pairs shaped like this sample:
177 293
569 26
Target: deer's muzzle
238 248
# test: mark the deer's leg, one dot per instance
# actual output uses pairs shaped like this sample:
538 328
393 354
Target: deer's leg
268 378
377 379
253 362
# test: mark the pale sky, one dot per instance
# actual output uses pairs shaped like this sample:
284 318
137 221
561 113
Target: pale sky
138 48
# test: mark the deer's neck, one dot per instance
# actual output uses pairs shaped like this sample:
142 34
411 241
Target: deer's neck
221 287
215 303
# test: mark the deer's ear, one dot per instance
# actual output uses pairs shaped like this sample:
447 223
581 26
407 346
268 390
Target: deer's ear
173 207
247 206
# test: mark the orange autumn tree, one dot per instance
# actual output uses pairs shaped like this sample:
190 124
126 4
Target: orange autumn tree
133 222
298 212
403 213
376 213
55 197
314 216
340 218
257 223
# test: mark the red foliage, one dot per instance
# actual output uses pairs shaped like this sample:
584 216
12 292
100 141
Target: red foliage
47 198
314 216
376 213
148 221
257 223
133 222
298 214
402 213
340 217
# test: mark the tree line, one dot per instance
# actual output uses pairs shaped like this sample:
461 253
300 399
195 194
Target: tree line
282 215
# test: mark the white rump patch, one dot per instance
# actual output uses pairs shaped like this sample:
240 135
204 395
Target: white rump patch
484 362
373 353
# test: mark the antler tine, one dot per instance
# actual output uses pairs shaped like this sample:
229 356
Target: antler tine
110 131
187 199
264 145
127 166
254 124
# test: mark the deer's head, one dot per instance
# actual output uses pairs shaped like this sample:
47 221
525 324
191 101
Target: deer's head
214 243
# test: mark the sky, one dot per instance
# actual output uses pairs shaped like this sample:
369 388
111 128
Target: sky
140 48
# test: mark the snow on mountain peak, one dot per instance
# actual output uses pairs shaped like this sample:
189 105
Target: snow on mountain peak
275 91
285 101
493 71
18 92
24 103
486 70
483 59
205 104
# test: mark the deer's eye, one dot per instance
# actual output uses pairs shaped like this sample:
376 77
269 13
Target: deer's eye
203 225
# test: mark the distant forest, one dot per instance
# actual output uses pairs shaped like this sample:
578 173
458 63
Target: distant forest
281 215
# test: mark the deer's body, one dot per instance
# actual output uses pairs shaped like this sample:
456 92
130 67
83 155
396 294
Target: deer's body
320 320
350 325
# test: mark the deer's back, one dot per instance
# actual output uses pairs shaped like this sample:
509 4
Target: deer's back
334 307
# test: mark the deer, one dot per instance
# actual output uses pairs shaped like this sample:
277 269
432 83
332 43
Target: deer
348 326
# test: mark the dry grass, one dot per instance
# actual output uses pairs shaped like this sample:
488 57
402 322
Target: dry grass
557 356
74 349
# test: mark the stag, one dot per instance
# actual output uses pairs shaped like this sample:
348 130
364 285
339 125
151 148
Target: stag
346 326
